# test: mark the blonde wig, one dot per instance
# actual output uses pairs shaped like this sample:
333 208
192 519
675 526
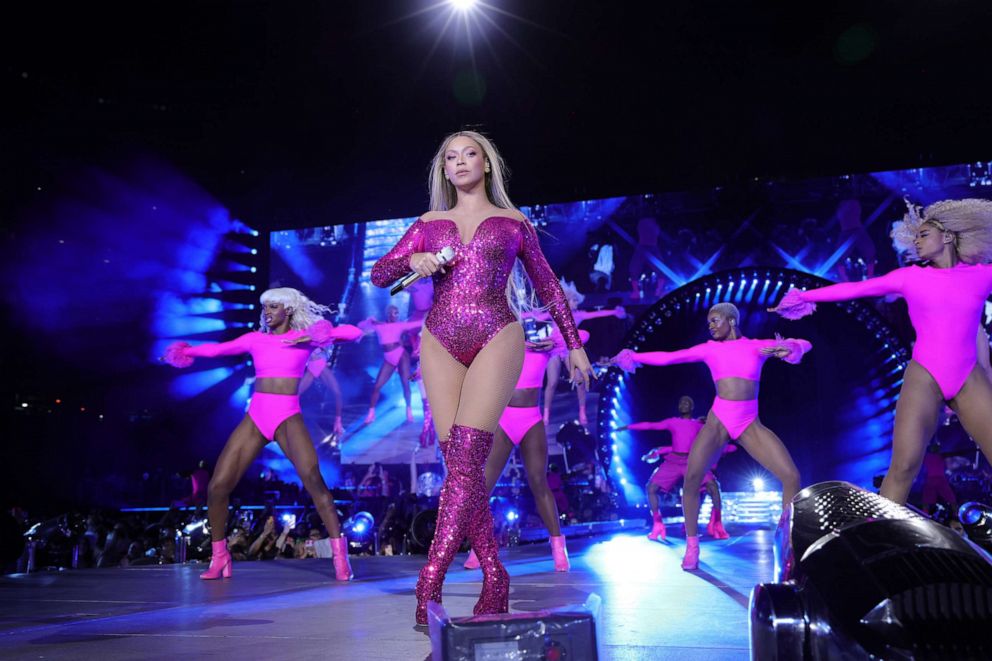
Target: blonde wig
303 312
969 220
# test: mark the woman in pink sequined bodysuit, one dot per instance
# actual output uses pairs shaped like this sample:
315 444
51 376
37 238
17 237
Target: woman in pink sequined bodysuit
945 299
472 344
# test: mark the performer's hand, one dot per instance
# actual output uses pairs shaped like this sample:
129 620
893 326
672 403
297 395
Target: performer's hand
621 312
302 339
778 352
579 368
426 263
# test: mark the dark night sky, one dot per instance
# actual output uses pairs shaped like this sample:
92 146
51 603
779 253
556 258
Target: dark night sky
331 110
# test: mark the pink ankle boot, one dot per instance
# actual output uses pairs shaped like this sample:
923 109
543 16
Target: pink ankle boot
658 528
691 559
559 553
220 562
473 561
342 568
715 527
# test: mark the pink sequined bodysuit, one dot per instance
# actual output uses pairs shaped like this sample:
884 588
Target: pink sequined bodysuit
740 358
945 306
470 303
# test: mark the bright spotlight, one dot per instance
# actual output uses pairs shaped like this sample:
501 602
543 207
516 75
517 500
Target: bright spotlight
462 5
758 484
512 515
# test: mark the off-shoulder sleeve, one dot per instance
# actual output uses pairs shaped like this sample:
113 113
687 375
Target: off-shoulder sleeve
547 286
396 263
181 354
798 303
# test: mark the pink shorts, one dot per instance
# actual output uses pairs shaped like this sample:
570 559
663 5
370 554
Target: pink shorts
315 367
269 410
736 415
516 421
671 470
393 356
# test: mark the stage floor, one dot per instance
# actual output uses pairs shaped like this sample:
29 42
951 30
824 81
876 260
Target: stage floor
290 608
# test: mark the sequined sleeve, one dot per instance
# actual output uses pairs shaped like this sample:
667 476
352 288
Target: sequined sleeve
396 263
547 286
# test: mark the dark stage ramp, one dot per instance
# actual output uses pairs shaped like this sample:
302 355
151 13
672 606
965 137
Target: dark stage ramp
292 609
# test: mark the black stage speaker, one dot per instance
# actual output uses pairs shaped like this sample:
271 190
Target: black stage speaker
861 577
562 634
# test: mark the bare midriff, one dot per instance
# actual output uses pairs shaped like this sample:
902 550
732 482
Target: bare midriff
525 398
278 385
737 389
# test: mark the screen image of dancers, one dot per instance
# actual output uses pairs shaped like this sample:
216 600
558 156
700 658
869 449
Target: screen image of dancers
291 327
945 294
521 426
472 343
575 298
395 357
319 367
671 471
735 363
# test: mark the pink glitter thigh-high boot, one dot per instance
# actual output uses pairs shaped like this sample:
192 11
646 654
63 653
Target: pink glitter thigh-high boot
462 496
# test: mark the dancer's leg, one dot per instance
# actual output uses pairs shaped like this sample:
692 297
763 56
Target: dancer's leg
768 450
404 370
294 439
534 448
553 371
306 382
710 440
385 372
973 404
331 383
917 415
241 449
498 456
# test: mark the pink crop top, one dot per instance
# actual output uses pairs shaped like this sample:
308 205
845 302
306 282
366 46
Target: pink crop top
741 358
273 357
683 431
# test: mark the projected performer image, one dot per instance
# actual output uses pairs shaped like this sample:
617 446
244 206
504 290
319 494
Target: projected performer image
395 357
684 427
319 369
291 327
735 363
946 294
472 345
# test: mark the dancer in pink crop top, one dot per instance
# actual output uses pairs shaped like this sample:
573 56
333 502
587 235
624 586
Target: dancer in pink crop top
395 356
671 471
945 297
291 327
472 345
735 363
521 426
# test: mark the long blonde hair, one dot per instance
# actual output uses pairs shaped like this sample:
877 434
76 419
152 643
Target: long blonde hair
970 220
443 195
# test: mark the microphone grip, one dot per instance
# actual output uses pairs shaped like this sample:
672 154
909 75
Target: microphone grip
404 282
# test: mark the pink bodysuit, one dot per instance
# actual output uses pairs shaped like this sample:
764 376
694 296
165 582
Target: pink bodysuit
391 333
945 306
274 358
516 421
741 358
683 431
470 302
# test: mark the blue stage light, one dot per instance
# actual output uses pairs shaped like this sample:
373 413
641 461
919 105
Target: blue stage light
512 515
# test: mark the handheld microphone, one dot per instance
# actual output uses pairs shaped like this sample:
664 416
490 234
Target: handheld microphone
444 255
